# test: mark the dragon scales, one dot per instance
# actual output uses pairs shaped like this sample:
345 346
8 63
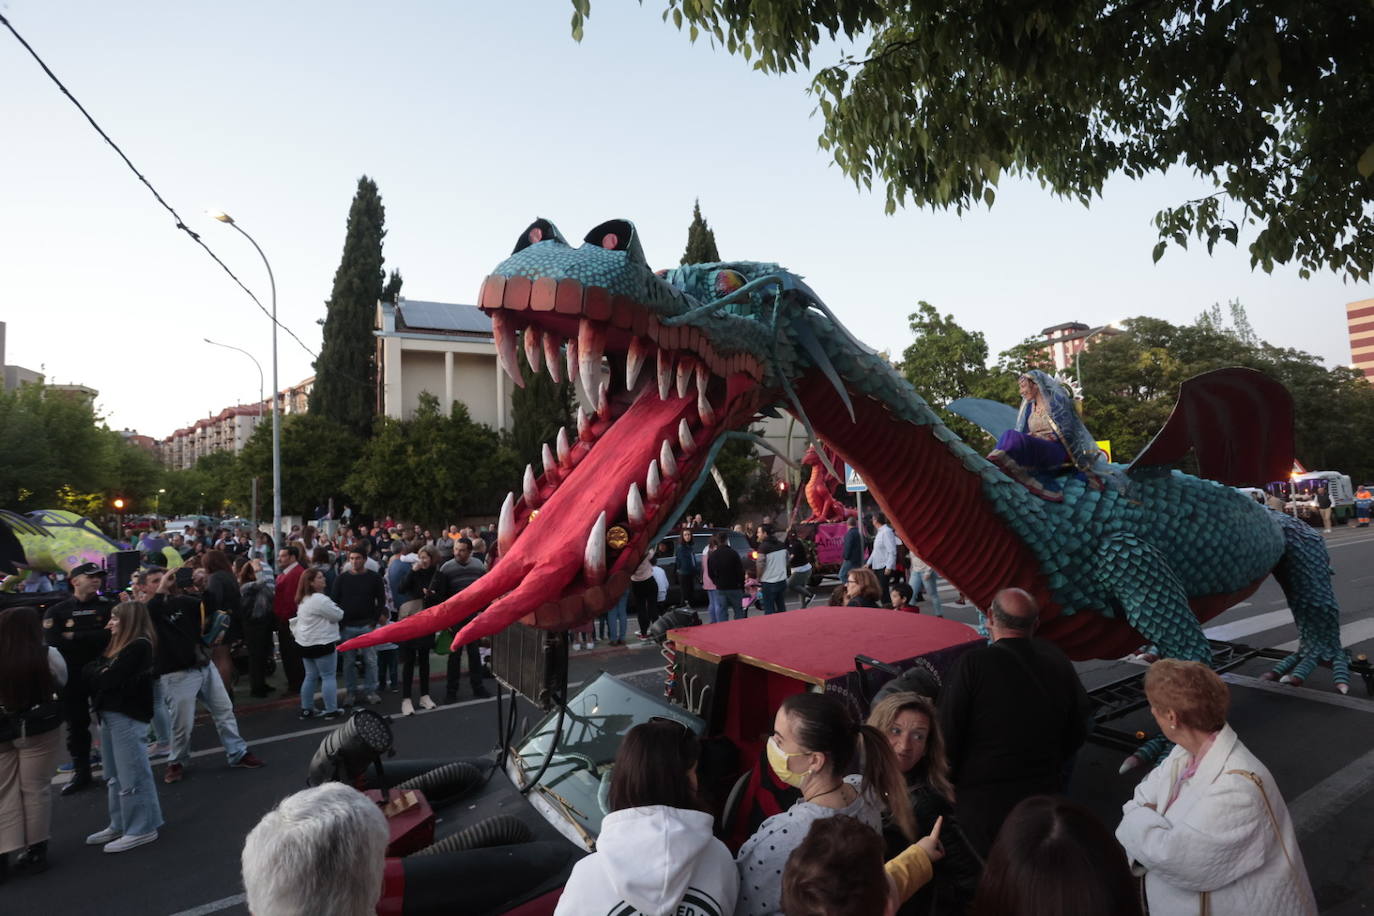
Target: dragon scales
672 363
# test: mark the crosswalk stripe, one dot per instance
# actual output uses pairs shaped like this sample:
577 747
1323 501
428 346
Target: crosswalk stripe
1227 632
1351 633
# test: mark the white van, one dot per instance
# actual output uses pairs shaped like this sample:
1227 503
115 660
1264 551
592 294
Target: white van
1304 495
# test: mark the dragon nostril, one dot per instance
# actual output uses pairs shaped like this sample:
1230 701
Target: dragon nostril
536 235
610 241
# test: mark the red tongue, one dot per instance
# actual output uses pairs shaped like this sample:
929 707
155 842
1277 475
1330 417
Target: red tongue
548 555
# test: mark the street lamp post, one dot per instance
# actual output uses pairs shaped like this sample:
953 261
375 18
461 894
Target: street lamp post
157 502
276 387
262 400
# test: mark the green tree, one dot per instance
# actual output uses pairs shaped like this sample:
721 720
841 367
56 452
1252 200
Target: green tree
945 360
317 454
538 410
50 440
434 468
701 241
1267 100
345 388
217 484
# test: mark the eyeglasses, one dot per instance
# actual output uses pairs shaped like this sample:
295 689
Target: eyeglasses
852 582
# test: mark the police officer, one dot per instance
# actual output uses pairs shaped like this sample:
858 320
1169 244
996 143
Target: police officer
76 628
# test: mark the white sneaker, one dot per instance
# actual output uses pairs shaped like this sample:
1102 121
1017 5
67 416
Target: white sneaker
129 842
427 703
103 837
407 707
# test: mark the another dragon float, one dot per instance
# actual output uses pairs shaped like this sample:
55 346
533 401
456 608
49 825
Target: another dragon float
675 362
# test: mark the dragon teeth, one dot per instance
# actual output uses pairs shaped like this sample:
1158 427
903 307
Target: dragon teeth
553 359
594 556
505 524
665 372
591 346
653 483
684 437
584 425
634 505
534 347
666 461
530 489
561 444
504 334
684 376
634 361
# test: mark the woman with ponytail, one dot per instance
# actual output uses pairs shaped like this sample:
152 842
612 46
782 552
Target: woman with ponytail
814 742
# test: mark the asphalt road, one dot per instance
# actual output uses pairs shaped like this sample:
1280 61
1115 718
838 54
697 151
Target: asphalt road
1319 745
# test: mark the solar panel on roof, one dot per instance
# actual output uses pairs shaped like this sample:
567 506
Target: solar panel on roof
444 316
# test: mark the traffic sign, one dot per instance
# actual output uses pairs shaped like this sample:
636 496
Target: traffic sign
853 483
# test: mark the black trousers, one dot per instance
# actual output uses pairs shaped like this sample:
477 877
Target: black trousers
644 598
76 710
416 654
454 666
257 638
290 657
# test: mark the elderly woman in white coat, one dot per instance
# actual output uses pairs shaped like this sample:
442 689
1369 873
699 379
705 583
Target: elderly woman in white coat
1208 828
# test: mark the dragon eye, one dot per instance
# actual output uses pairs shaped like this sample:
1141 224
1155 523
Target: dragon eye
726 281
613 235
541 230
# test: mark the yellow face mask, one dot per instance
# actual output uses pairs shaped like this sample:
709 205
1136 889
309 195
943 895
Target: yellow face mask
778 758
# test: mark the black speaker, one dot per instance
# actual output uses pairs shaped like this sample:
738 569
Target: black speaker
531 662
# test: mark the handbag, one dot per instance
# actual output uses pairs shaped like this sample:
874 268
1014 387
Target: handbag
413 606
213 633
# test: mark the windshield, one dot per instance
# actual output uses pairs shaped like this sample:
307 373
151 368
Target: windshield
597 718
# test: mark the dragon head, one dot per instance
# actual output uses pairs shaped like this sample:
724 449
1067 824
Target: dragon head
668 364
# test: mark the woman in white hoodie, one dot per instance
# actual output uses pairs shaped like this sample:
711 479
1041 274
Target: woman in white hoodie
316 629
655 853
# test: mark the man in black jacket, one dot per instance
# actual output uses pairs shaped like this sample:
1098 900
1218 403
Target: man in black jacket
727 575
361 593
1014 715
185 674
76 628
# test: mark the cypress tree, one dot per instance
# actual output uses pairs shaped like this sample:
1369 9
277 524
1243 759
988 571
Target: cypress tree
701 241
345 388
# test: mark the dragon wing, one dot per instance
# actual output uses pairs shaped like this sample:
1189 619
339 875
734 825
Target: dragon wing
1238 421
12 527
993 416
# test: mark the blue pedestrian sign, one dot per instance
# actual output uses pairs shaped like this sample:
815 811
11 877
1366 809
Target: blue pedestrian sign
853 483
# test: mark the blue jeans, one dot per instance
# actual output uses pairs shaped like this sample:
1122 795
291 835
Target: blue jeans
774 595
181 689
319 672
130 791
714 606
731 598
845 567
369 660
616 620
162 722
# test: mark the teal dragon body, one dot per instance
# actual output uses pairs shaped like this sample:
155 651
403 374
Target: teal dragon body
671 364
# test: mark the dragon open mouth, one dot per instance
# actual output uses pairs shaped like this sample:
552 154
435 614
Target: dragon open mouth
662 395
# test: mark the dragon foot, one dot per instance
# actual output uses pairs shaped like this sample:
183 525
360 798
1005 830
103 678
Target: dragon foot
1294 669
1148 754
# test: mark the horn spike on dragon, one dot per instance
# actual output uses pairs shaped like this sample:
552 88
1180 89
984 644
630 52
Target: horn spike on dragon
669 364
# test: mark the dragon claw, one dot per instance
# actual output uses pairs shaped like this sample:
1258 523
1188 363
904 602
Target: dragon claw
1130 763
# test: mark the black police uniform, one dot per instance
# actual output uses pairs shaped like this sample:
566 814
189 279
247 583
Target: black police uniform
76 629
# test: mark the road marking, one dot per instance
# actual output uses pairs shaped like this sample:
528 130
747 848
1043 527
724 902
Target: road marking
1313 809
1346 542
273 739
1351 633
1229 632
214 906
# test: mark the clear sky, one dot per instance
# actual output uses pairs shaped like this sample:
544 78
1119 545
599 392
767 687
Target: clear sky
474 118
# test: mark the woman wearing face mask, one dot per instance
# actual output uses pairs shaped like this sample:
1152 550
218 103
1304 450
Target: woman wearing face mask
814 741
912 728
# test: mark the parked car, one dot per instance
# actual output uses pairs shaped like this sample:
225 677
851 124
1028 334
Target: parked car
665 551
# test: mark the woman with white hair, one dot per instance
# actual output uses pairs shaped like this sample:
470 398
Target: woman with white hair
321 850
